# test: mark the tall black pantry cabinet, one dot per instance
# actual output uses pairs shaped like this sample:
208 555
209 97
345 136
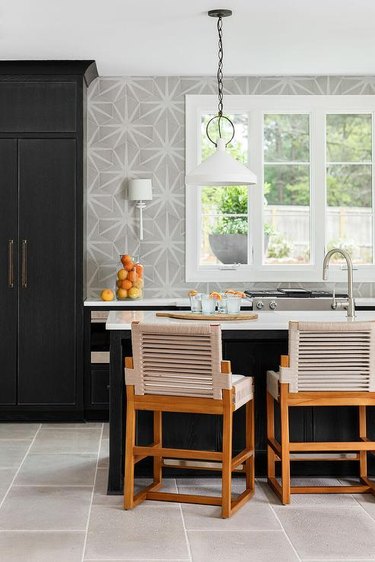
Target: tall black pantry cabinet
42 136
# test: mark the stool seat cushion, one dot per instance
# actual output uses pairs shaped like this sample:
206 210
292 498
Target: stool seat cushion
243 390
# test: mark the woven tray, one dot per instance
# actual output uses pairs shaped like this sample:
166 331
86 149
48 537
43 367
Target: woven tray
199 316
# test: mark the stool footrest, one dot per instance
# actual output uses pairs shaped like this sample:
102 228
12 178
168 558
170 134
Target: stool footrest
332 446
177 453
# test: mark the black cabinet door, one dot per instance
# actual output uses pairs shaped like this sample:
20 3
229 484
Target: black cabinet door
47 291
8 271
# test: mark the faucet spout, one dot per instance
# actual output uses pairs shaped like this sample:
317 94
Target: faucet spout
349 263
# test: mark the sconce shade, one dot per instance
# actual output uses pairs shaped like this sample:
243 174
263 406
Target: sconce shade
140 190
221 169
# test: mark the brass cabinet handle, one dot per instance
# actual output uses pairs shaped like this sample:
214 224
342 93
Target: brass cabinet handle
24 265
10 265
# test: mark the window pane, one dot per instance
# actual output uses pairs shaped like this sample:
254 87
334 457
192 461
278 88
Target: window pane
224 225
224 210
349 138
286 138
287 214
349 212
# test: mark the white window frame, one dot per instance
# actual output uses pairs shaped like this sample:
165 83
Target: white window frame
256 106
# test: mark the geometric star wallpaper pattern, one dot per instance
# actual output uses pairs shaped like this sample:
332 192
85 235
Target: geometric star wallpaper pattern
136 128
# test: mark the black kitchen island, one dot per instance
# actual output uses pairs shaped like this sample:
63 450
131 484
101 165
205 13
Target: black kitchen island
253 347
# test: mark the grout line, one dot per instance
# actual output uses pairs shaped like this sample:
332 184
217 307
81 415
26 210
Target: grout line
185 530
52 485
92 494
42 531
20 466
285 533
363 509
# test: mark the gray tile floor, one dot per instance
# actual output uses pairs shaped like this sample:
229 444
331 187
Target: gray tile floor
54 508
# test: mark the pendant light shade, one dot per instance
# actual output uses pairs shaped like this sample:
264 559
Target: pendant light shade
220 168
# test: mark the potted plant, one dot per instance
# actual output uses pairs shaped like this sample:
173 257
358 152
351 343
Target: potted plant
228 237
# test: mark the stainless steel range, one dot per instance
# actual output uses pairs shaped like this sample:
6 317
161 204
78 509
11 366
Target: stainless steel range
292 299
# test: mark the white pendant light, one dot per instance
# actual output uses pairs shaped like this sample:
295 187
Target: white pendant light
220 168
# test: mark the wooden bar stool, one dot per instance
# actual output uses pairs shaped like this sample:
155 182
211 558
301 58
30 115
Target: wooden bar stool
329 364
178 368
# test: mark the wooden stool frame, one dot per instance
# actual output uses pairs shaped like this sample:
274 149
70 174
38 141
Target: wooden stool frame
281 452
225 463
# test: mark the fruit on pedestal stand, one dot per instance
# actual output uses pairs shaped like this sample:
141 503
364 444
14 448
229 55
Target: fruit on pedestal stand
107 295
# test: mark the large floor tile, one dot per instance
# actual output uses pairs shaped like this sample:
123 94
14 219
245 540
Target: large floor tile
323 532
45 508
255 515
6 477
41 547
101 497
145 532
367 501
345 500
51 469
12 453
79 425
18 430
241 546
67 441
104 454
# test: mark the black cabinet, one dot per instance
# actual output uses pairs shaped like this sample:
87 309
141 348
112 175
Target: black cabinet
42 126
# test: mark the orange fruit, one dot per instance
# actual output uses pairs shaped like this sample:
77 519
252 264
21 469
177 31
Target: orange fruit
139 283
107 295
118 283
134 293
139 269
215 295
132 276
122 274
125 259
125 284
129 265
122 294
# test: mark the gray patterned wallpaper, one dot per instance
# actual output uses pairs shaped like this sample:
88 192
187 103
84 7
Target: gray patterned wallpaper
136 129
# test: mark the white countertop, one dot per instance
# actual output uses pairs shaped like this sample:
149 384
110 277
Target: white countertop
361 301
272 320
135 303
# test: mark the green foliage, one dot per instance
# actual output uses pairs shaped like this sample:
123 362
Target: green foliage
231 202
348 140
279 247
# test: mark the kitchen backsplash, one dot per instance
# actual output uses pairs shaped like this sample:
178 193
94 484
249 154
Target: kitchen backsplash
136 128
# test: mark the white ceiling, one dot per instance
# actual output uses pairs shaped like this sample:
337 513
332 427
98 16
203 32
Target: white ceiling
175 37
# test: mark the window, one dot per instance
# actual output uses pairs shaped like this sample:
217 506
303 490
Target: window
313 157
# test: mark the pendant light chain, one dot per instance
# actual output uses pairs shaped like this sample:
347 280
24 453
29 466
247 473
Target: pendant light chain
220 85
220 117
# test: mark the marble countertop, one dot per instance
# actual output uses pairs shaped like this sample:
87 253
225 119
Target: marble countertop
268 320
361 301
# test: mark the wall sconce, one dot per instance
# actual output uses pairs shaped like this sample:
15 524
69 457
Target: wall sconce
140 190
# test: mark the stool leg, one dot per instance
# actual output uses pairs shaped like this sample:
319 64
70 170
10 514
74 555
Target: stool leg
129 450
250 445
285 454
158 436
227 454
271 472
362 434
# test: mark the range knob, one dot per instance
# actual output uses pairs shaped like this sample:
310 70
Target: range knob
273 305
260 305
